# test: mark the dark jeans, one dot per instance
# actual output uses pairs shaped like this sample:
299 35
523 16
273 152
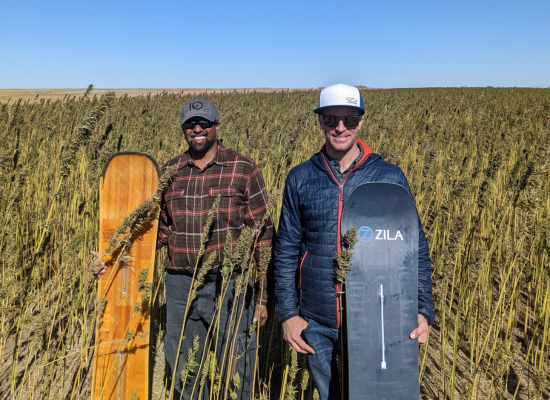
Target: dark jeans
326 343
199 318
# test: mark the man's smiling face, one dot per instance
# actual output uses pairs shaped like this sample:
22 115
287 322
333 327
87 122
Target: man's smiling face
340 139
200 140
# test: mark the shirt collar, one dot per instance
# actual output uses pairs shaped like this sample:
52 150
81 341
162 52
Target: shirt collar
220 158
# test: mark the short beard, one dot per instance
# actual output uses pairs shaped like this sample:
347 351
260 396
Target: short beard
203 148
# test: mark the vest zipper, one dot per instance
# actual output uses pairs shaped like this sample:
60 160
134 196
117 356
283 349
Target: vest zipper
367 152
339 248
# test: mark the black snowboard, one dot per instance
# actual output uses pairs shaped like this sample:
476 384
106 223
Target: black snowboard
381 293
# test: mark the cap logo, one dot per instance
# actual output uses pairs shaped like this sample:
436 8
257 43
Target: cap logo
197 105
351 100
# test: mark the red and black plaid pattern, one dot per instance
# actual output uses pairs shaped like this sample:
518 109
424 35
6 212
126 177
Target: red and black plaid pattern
185 205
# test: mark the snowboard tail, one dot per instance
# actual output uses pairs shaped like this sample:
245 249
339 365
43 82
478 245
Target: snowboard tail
121 363
381 293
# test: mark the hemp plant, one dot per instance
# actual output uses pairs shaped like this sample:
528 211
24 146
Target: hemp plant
342 266
210 218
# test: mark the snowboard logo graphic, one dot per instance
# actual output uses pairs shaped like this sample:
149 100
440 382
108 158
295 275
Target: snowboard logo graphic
365 234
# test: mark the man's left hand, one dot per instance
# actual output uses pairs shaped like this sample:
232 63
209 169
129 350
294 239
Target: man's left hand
99 267
422 331
265 312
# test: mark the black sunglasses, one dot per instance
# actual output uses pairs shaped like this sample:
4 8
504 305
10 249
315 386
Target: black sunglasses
203 123
331 121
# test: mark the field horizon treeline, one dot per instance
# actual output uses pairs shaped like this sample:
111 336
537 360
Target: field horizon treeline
477 161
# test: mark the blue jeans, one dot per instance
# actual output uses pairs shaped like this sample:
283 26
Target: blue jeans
198 320
326 343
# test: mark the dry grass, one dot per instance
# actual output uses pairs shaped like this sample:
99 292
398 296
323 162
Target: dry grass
477 161
59 94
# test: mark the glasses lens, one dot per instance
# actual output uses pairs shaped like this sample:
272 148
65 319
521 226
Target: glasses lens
330 121
351 122
205 124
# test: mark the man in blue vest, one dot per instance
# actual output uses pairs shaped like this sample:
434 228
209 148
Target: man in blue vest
307 237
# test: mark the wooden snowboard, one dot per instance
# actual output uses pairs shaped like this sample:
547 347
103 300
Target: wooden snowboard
121 366
381 293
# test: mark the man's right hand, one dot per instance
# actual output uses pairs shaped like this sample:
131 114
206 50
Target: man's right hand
292 333
99 267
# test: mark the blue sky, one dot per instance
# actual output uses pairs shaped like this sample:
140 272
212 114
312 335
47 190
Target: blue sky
281 44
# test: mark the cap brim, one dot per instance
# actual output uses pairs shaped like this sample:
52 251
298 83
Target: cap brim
319 110
194 115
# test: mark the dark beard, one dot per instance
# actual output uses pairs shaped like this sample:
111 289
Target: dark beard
203 148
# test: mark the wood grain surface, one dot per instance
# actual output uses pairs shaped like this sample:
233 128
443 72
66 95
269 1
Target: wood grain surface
121 367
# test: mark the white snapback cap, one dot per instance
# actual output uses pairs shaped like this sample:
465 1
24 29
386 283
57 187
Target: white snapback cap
340 95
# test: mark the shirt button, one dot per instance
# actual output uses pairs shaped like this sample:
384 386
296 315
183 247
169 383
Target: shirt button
196 218
197 195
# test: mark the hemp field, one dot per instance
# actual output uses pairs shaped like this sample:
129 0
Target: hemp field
478 163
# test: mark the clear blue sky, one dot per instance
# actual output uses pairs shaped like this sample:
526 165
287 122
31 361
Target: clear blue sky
283 44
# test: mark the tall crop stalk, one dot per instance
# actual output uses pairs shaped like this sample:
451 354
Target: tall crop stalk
192 293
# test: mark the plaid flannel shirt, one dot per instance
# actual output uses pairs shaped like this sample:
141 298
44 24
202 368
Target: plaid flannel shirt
185 205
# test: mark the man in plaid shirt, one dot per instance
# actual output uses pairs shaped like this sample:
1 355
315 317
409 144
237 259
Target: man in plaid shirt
205 170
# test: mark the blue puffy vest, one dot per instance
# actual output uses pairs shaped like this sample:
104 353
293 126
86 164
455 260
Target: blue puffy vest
307 238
